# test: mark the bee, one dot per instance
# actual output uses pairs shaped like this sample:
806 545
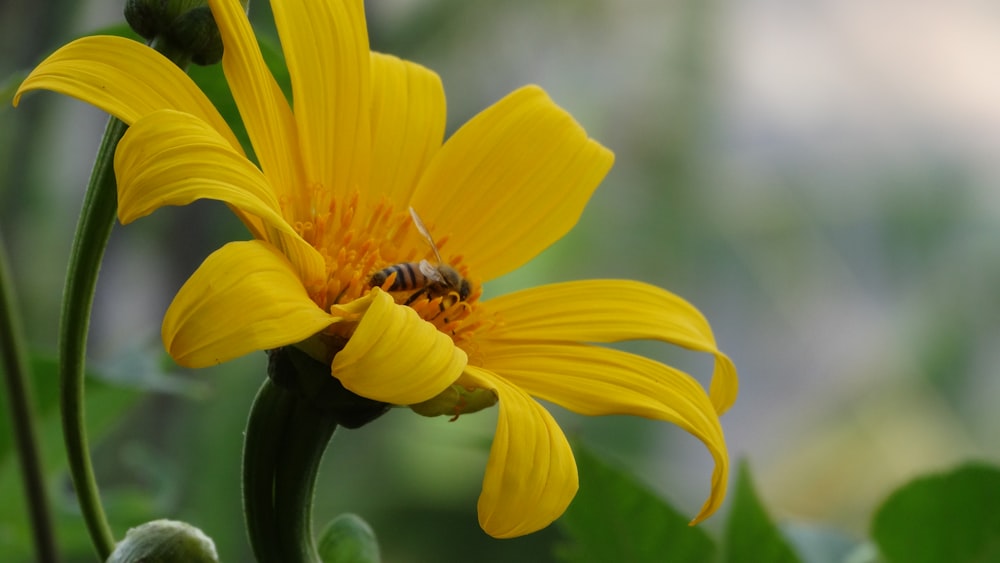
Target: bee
427 279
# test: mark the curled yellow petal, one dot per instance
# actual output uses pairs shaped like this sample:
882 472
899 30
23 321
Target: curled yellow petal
173 158
244 297
597 381
124 78
612 311
395 356
531 474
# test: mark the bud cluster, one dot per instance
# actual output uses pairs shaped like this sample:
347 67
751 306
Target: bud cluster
186 25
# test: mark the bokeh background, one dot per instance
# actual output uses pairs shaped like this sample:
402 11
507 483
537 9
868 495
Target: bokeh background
819 178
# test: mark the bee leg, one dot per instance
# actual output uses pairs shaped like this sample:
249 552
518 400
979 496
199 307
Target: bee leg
416 295
448 300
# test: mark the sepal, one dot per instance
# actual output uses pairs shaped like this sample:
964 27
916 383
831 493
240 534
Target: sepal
294 370
457 400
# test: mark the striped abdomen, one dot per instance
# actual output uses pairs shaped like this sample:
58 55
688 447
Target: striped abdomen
408 276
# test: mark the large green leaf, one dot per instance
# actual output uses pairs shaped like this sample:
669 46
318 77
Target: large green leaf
615 518
750 533
953 517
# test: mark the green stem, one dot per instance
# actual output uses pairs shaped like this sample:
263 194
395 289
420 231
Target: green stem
100 206
92 233
17 377
307 435
285 440
265 428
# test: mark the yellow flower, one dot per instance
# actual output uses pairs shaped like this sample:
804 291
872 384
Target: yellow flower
328 207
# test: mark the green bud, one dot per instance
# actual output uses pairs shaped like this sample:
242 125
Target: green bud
164 541
186 25
455 401
146 17
195 31
348 539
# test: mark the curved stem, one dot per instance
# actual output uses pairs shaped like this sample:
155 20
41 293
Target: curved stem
92 232
285 440
265 428
17 376
308 433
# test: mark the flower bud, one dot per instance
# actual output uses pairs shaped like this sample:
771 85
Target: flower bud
164 541
348 539
195 31
145 17
186 25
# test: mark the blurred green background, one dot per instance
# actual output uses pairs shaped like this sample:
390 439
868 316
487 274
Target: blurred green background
818 178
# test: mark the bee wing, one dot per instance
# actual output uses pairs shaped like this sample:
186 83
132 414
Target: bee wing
427 236
430 272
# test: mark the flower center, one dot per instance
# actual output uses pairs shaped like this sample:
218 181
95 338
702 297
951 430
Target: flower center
380 245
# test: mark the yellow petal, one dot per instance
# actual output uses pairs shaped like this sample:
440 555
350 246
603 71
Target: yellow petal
263 107
124 78
531 475
173 158
612 311
395 356
325 43
509 183
244 297
598 381
408 118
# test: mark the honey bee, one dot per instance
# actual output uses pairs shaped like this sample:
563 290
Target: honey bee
425 278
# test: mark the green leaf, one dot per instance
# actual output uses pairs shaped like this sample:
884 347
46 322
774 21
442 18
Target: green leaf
143 367
950 517
348 539
109 401
750 533
615 518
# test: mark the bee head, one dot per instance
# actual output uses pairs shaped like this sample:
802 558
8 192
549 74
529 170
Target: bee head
455 281
378 278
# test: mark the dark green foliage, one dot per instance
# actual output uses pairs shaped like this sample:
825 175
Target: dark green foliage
953 517
615 518
750 533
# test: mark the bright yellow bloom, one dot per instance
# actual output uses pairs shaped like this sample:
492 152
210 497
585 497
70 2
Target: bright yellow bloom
328 207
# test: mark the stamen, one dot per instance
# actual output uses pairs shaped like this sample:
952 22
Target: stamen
357 239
